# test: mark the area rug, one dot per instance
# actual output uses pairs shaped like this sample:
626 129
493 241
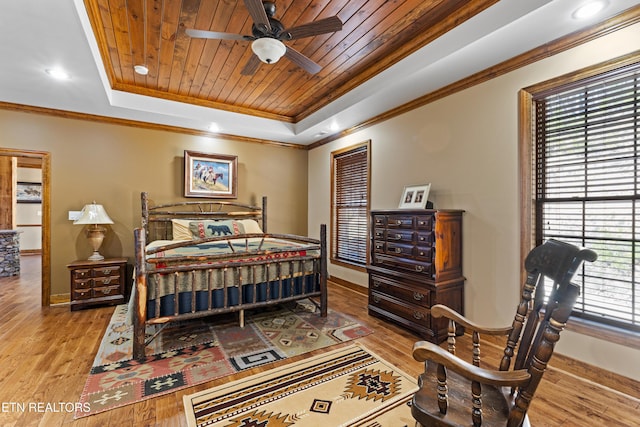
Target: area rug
192 352
350 386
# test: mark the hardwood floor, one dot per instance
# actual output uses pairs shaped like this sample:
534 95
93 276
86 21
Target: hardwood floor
45 355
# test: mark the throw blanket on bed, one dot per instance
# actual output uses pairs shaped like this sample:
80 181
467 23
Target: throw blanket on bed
227 264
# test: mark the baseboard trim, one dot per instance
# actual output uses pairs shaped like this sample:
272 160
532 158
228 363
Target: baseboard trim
349 285
59 299
611 380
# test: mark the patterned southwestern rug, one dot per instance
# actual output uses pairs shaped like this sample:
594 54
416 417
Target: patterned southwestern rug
193 352
345 387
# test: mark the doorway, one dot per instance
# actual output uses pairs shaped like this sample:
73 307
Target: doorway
44 159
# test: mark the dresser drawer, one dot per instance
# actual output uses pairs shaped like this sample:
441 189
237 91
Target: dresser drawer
410 312
424 222
423 254
379 220
424 238
413 266
396 249
381 284
399 235
400 221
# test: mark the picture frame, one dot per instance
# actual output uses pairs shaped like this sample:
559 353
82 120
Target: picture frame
29 192
414 196
210 175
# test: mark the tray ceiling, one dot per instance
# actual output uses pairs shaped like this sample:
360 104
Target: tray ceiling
375 35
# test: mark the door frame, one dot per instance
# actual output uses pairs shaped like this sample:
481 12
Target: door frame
45 159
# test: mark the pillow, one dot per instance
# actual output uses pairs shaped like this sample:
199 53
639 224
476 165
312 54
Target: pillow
180 229
204 229
251 226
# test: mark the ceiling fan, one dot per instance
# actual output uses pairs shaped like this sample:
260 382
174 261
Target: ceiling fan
268 35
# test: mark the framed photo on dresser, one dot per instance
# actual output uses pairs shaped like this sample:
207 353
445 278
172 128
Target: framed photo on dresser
414 196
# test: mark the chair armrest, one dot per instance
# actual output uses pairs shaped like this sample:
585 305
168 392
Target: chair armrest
425 351
440 310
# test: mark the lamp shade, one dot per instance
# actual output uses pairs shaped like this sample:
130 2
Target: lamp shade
93 214
268 50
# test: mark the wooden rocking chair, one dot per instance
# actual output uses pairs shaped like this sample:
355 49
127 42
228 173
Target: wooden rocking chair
454 392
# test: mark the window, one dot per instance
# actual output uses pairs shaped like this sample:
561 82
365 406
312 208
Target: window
350 204
586 184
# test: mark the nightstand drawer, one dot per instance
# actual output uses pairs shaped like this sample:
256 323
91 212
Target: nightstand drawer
108 280
82 284
106 291
80 294
106 271
83 273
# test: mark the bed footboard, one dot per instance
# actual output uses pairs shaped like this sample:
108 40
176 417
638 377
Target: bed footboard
202 286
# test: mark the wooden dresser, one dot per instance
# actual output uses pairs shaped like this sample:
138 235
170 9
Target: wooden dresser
97 282
416 262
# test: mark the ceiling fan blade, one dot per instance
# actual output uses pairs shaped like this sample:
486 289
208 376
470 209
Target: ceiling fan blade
201 34
302 61
322 26
251 66
258 14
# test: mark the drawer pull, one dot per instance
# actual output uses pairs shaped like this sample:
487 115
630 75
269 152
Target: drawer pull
399 222
421 253
106 291
398 250
422 222
398 236
107 270
376 299
376 284
418 296
418 315
107 281
419 268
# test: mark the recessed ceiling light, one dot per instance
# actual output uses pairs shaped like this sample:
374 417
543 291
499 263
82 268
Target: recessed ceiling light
58 73
141 69
589 9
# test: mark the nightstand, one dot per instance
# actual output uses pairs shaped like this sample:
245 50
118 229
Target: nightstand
97 282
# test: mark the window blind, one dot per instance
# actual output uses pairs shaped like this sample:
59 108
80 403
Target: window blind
587 183
351 205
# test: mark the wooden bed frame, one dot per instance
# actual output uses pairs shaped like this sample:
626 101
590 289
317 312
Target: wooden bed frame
157 225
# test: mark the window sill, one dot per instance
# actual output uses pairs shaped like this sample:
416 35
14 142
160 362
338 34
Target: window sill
604 332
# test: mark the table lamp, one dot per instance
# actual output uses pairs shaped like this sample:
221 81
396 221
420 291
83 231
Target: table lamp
94 215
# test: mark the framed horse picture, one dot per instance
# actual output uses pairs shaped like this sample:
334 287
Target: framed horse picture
210 175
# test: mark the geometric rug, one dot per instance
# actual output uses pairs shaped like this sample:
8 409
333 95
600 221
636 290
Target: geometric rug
192 352
345 387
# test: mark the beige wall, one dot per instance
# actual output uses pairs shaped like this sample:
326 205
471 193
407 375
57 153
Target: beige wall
112 164
466 146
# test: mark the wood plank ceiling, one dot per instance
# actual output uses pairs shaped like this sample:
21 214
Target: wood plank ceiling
375 35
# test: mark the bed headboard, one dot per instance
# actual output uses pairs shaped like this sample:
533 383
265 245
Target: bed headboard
156 219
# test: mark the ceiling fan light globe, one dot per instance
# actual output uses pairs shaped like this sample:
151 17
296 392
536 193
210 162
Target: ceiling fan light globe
268 49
